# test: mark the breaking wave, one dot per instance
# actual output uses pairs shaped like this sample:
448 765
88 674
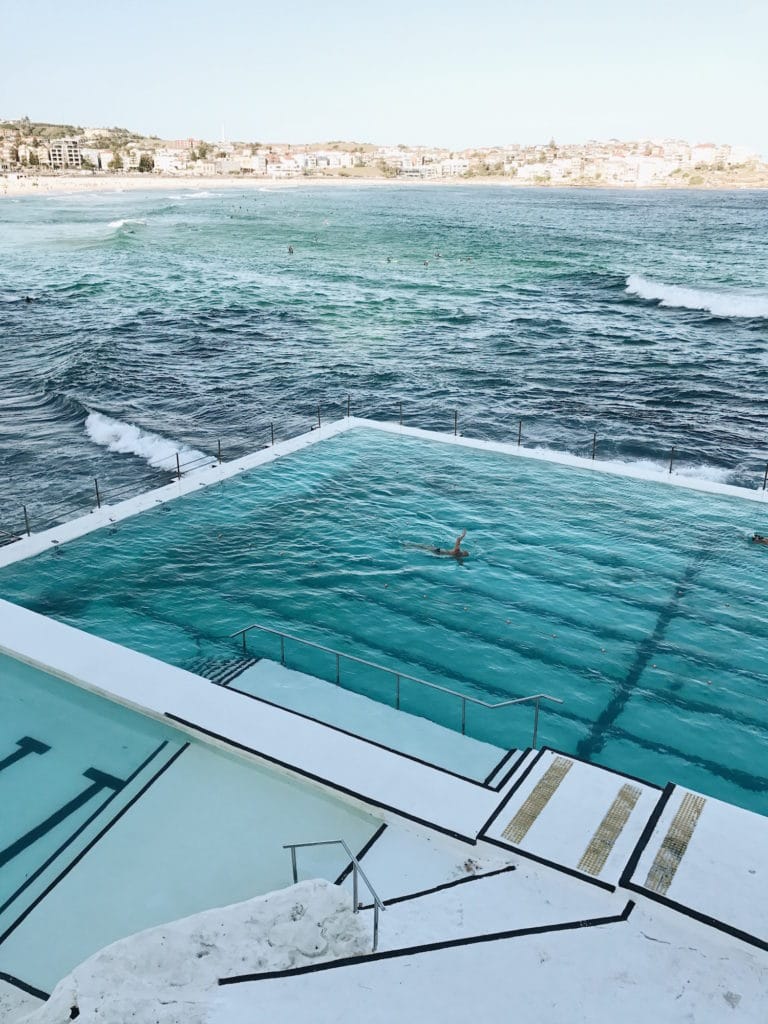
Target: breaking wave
722 304
118 224
128 439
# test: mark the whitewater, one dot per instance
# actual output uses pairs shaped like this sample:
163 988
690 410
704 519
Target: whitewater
719 303
634 321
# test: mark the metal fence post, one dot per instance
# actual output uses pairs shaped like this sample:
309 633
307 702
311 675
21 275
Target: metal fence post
349 405
178 466
519 433
338 670
319 423
272 433
671 458
594 444
26 521
293 865
219 450
455 422
98 496
401 413
765 478
355 907
463 716
397 692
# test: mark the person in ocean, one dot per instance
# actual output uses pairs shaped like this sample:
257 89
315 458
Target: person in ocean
758 538
456 551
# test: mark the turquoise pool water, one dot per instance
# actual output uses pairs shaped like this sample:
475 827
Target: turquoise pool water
642 606
112 822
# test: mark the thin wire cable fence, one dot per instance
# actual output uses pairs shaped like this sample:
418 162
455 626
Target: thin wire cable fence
531 434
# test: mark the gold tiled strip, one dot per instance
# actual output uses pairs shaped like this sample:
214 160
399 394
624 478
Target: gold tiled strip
600 845
537 800
675 843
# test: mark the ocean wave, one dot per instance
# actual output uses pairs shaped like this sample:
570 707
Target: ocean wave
718 303
128 439
118 224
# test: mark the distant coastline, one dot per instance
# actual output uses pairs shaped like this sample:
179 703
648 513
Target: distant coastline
14 186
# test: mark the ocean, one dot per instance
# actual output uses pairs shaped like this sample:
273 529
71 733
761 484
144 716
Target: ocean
180 319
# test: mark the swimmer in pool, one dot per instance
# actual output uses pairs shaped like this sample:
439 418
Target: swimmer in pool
758 538
456 551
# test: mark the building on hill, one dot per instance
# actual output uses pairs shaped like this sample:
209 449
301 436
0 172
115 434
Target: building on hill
65 153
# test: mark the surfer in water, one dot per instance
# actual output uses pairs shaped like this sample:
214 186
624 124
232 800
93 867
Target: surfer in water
456 551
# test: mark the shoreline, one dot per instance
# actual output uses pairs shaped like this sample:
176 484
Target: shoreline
14 187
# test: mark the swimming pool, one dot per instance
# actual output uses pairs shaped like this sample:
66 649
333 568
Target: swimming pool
112 822
642 606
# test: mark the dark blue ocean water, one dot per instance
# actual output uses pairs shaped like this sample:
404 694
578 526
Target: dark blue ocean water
641 316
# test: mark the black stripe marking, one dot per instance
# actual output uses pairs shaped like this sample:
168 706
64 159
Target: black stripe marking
470 940
92 843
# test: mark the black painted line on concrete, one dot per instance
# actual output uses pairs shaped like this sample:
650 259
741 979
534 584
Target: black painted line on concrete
645 650
376 835
92 843
698 915
602 767
444 885
562 868
326 783
508 775
357 736
29 989
470 940
497 767
26 745
645 835
36 874
510 794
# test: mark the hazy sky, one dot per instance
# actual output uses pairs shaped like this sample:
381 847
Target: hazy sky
432 71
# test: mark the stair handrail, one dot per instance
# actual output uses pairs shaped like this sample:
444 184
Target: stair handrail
356 870
534 698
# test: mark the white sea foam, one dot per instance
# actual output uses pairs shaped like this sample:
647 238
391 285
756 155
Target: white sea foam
128 439
127 220
718 303
644 469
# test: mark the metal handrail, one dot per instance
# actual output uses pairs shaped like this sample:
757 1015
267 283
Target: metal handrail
535 698
356 870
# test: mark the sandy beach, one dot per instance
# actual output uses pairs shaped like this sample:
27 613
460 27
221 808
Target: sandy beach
14 185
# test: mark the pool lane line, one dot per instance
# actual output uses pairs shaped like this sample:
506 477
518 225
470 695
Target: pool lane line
99 780
376 836
36 874
92 843
27 745
38 993
646 649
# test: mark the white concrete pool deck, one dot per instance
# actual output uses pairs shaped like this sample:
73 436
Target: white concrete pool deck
213 474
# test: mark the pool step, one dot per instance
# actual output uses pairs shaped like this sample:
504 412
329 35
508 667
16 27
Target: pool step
675 843
602 842
540 795
221 670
